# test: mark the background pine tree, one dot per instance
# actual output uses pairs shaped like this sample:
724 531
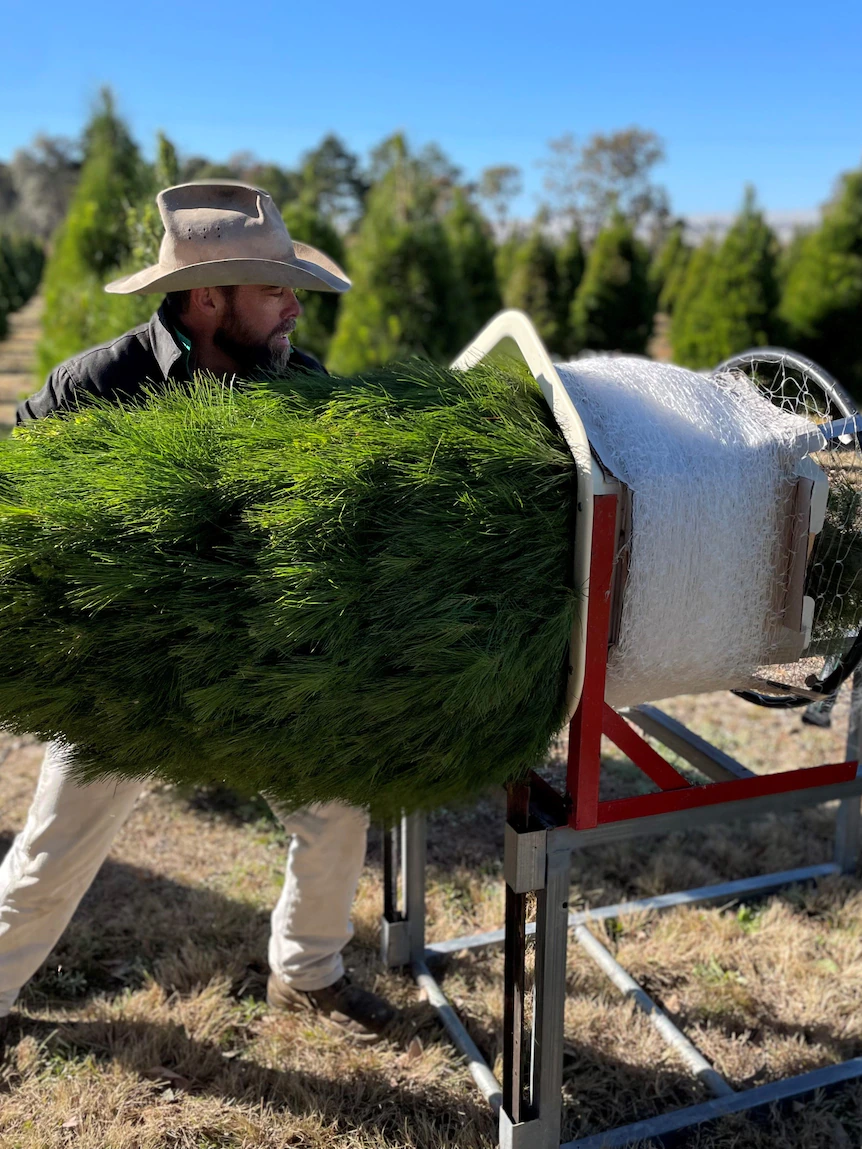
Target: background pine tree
93 241
736 305
21 261
316 325
571 261
822 300
532 283
472 250
667 270
406 294
614 305
682 329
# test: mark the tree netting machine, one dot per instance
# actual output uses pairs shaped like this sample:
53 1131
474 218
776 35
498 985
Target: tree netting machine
807 581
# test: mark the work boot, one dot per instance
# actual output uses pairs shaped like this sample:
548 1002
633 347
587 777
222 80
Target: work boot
342 1007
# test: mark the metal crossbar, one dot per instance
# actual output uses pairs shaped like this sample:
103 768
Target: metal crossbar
545 830
524 1135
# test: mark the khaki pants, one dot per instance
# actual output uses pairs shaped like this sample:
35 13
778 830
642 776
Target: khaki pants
68 834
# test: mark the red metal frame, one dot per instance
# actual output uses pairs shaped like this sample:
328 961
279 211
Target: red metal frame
594 717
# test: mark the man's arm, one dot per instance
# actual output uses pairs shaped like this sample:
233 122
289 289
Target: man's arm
58 394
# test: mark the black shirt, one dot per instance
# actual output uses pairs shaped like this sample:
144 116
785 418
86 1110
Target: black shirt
145 357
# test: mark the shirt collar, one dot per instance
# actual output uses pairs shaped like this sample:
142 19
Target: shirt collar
171 347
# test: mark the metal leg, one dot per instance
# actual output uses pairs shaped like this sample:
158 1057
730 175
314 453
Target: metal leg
514 982
847 824
515 952
413 858
394 931
549 998
820 713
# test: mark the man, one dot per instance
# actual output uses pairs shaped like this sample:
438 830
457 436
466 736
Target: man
228 269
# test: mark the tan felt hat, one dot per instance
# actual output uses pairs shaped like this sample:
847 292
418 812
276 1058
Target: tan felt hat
220 233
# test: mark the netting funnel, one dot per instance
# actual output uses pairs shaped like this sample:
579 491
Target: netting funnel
735 595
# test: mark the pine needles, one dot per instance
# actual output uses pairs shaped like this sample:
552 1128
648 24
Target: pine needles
354 589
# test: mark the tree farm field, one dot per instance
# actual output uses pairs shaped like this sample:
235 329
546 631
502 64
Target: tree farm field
148 1026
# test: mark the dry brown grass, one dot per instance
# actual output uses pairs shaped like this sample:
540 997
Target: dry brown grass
147 1027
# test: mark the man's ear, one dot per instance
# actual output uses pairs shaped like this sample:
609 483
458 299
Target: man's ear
206 303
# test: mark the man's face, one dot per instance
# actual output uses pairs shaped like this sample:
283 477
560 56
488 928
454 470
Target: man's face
256 324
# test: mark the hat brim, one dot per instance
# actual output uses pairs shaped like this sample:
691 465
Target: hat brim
309 269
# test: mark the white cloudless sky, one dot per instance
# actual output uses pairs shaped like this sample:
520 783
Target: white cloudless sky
741 92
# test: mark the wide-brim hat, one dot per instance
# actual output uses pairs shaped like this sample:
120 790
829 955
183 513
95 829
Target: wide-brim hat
220 233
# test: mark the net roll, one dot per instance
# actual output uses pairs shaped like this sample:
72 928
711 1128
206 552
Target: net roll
710 467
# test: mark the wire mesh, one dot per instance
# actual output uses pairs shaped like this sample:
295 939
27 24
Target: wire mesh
834 571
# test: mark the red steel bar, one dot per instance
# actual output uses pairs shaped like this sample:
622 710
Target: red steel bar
643 805
641 753
585 729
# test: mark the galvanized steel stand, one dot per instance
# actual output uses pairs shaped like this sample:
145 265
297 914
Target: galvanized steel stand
544 829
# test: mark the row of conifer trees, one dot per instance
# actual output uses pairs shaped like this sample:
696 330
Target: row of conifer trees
21 262
428 270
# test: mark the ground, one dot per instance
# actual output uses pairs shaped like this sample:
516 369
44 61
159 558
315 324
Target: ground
17 351
147 1026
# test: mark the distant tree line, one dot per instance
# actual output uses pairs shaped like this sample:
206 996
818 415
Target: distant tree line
433 256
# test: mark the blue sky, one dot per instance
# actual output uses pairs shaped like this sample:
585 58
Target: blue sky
764 92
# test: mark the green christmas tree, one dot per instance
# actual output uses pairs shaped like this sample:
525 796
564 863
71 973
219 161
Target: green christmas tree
614 305
668 269
406 296
691 285
93 241
822 300
472 250
532 283
321 588
735 307
21 261
571 261
316 325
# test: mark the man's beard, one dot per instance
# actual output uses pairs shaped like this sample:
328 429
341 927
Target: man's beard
250 355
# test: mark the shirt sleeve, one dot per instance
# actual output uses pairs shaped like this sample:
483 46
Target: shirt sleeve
58 394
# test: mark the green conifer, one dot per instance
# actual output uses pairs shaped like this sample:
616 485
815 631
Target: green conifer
533 285
691 285
667 270
614 305
472 250
570 271
322 588
93 241
317 323
21 261
406 295
822 300
735 307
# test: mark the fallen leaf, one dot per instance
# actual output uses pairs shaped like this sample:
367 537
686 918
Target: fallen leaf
414 1049
162 1073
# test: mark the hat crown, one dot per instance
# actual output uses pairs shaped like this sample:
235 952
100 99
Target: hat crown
214 220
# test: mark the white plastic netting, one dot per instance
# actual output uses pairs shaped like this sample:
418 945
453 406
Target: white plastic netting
710 464
834 579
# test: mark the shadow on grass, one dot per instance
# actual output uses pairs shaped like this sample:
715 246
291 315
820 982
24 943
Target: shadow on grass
133 922
600 1092
346 1102
617 1092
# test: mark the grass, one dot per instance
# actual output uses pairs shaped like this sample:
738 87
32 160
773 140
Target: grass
147 1027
